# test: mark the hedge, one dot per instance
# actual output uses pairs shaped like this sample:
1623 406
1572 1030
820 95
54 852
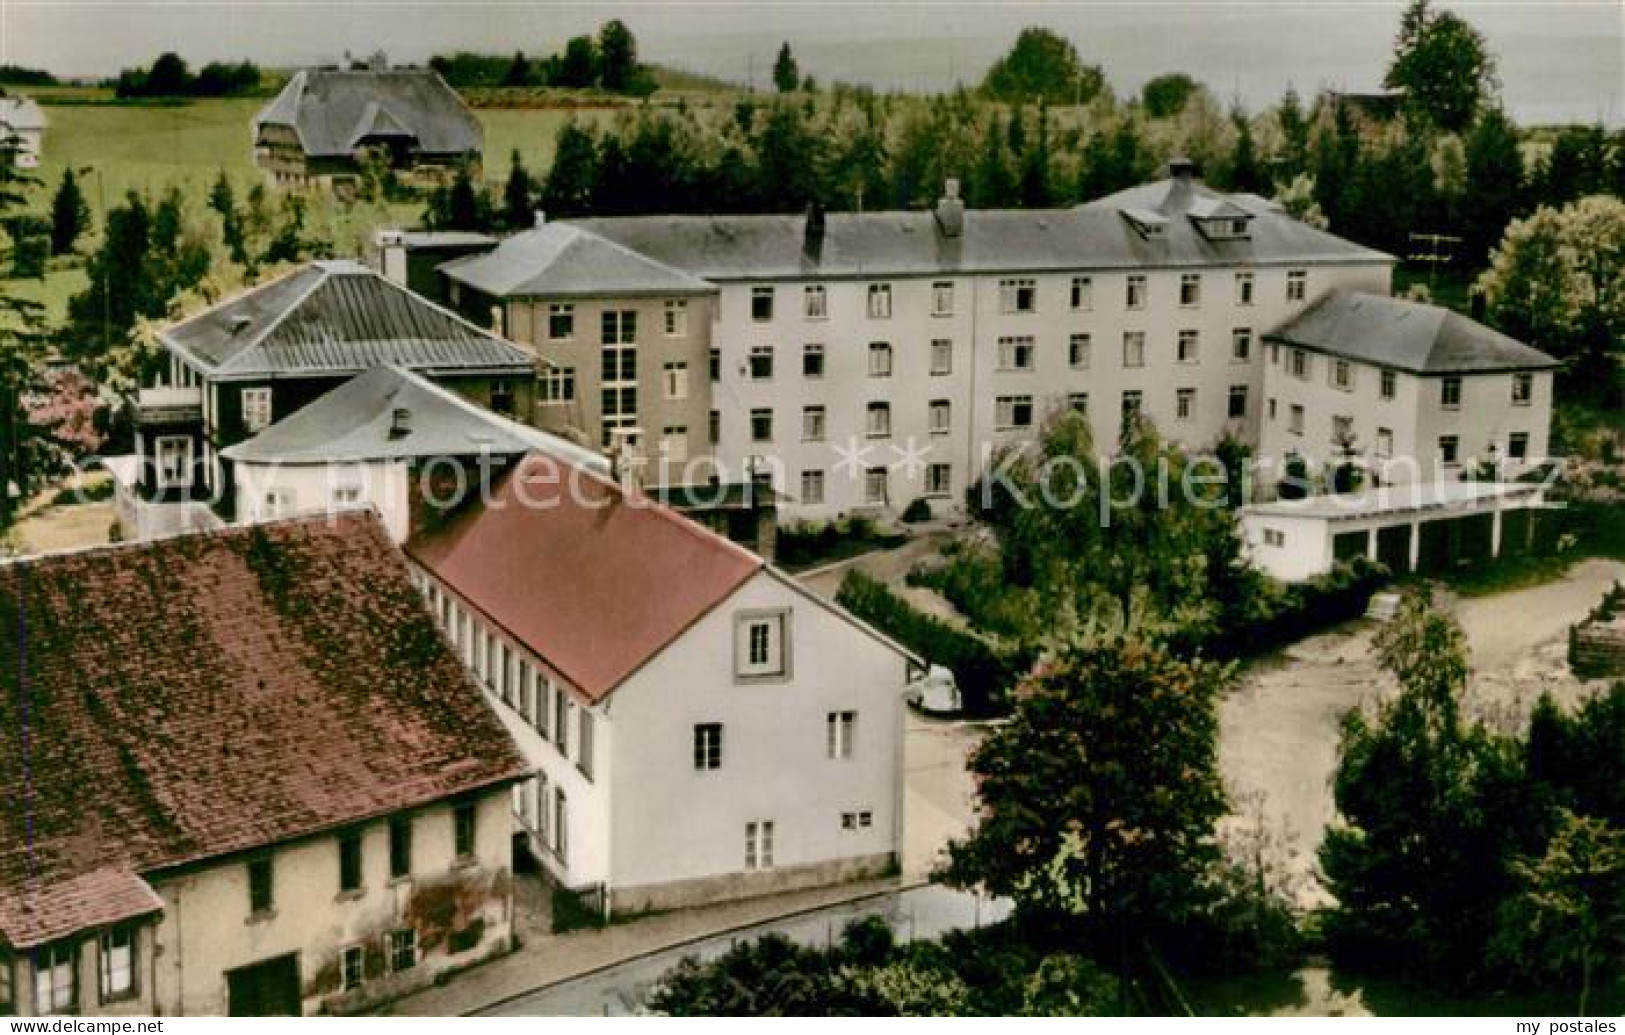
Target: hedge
984 673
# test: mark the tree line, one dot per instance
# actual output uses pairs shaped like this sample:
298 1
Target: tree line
607 61
170 76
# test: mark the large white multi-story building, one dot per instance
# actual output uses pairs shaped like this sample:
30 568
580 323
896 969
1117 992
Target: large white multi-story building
867 360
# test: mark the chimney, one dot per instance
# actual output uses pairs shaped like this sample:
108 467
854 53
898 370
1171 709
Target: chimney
950 210
391 250
400 422
812 239
1180 167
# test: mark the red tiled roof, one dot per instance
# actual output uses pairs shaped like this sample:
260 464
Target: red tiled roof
173 701
594 579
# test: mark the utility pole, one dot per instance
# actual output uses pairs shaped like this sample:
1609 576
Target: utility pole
1437 254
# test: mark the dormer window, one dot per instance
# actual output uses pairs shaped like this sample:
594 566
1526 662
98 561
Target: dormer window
1153 226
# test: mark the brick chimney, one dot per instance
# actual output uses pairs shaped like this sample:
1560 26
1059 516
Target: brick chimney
950 211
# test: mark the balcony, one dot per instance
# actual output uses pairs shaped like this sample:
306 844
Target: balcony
169 406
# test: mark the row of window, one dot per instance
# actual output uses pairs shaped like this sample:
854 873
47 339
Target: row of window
545 810
616 326
1341 374
1342 436
56 973
840 739
520 685
1020 295
939 482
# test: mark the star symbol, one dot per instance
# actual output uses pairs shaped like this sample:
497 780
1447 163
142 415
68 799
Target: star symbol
912 458
854 457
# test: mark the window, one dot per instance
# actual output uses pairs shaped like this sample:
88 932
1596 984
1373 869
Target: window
1133 348
1016 353
8 992
261 886
878 420
1241 344
879 301
761 425
402 948
814 302
1342 375
1450 393
942 298
715 357
1385 442
346 496
1013 411
561 823
502 396
557 384
400 846
561 722
619 326
879 359
676 381
942 356
759 645
761 363
676 318
584 743
876 486
1449 449
1518 445
1523 389
1390 384
56 978
941 416
759 845
1294 420
1185 403
840 728
674 443
1188 344
561 321
708 745
714 426
1083 292
464 819
1270 407
1133 402
761 304
1078 350
1244 289
939 479
812 424
1274 537
1297 285
1238 402
1135 295
812 486
1275 355
350 862
174 462
1078 402
353 967
1300 364
1342 430
117 968
256 409
1019 295
812 361
1190 289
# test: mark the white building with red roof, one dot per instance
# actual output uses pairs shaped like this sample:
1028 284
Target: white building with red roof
702 727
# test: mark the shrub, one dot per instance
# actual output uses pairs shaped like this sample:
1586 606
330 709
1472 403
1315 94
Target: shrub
984 673
917 511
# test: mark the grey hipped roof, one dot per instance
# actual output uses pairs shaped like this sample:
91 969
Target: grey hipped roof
336 317
1090 236
356 422
334 110
1405 335
558 259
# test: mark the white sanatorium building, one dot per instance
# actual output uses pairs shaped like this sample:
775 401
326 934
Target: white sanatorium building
869 359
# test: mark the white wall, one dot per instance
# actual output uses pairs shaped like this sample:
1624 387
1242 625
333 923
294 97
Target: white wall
976 382
384 485
1305 549
673 822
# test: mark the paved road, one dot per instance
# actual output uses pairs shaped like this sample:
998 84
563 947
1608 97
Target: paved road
924 912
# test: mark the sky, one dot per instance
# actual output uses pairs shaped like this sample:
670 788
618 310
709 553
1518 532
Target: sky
1559 60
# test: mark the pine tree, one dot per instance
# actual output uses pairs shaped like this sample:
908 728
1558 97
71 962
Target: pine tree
517 213
786 76
993 186
70 215
23 345
1035 191
572 180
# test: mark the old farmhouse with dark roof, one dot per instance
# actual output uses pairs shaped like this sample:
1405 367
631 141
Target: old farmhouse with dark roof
328 123
288 796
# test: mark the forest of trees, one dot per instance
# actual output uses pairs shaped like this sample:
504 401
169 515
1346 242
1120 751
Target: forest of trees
608 62
169 76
